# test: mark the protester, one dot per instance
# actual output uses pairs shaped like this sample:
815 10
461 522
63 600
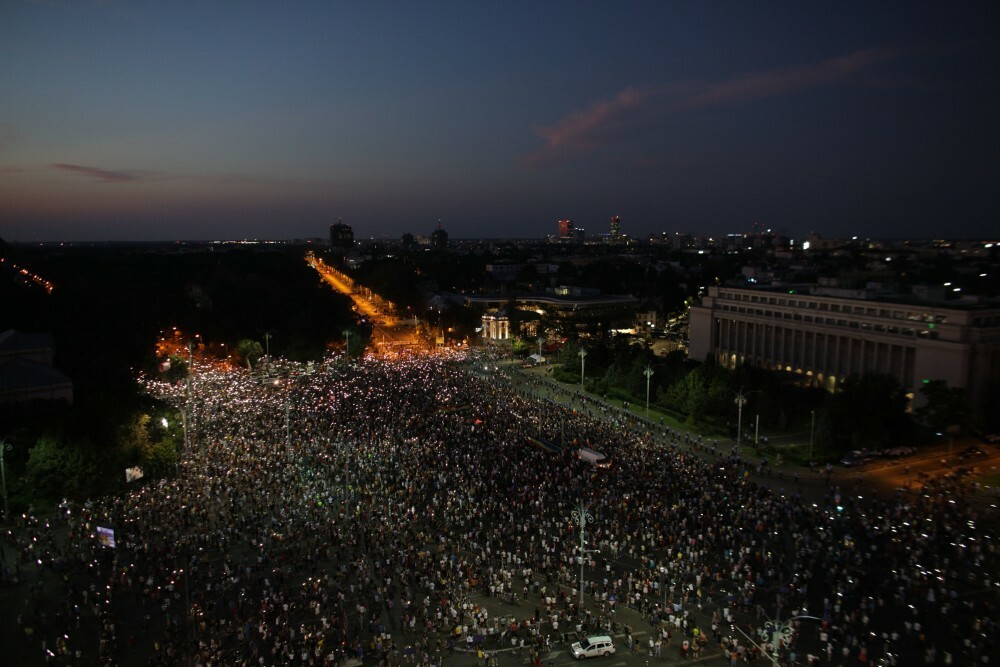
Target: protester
315 517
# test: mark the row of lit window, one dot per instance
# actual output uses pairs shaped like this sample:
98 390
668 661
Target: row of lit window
835 307
829 321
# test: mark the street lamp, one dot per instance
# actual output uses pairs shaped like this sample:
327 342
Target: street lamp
347 345
951 431
540 341
583 517
583 355
4 447
812 433
649 374
741 400
288 418
190 367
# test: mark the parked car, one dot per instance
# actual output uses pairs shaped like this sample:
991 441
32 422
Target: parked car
972 453
856 458
899 452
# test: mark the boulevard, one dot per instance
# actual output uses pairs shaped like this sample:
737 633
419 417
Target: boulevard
387 328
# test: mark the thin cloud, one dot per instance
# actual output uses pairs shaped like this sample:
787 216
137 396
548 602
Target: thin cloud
584 130
103 175
633 110
769 83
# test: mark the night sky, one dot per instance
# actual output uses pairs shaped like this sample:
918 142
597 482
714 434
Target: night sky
127 120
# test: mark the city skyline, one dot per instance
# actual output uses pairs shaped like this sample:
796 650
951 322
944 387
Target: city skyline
141 121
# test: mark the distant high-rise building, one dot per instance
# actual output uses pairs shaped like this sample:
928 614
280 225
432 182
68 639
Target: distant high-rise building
439 237
566 230
616 227
341 236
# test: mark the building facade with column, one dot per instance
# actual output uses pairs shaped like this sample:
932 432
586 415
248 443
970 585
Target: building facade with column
496 326
825 339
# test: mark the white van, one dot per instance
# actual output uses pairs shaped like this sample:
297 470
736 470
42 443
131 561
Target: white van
593 646
593 457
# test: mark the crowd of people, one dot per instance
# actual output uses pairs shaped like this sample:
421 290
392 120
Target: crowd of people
369 508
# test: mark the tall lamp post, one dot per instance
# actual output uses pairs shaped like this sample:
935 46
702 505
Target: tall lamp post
951 431
583 355
583 517
649 374
4 448
190 369
184 424
288 418
741 400
812 432
540 341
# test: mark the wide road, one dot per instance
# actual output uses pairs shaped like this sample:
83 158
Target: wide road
388 330
882 476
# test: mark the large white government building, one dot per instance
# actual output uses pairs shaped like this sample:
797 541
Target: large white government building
825 339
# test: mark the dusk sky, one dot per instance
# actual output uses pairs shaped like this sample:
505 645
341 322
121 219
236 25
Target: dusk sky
129 120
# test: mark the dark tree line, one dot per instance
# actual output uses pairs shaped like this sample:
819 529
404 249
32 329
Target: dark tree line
109 306
866 412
